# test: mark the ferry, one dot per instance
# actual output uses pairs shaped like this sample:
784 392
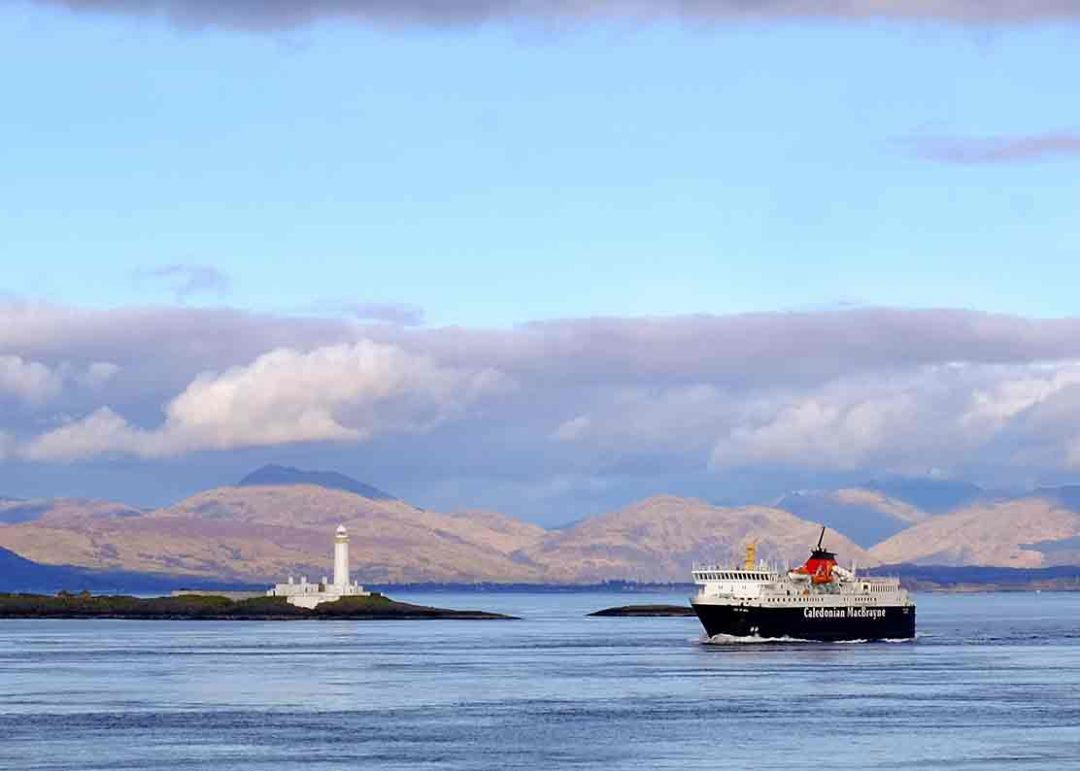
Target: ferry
819 600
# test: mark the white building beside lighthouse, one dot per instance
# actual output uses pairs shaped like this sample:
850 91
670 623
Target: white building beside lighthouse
308 595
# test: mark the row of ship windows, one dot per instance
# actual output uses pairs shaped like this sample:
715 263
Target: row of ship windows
806 599
735 576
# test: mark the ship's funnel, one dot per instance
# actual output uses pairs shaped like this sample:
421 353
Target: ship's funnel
821 563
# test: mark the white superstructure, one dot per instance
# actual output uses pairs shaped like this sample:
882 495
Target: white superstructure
308 595
762 587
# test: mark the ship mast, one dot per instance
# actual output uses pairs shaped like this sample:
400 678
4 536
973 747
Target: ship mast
751 556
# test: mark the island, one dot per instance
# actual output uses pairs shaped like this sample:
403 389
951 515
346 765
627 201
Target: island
209 607
646 611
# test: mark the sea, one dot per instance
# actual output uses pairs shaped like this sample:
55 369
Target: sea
992 681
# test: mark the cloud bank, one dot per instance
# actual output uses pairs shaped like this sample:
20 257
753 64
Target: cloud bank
595 403
285 14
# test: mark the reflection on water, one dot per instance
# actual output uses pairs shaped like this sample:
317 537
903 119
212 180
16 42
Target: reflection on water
992 681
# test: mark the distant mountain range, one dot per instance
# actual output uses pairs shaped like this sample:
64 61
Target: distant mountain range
866 516
272 475
277 522
15 511
930 494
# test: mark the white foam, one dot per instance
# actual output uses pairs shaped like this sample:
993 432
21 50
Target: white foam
727 639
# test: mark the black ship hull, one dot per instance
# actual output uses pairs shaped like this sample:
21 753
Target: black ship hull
804 623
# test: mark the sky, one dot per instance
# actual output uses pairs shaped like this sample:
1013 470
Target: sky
544 257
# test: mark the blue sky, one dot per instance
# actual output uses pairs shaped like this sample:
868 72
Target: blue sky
516 171
504 174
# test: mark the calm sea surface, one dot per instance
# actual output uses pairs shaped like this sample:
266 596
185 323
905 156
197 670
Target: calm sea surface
993 681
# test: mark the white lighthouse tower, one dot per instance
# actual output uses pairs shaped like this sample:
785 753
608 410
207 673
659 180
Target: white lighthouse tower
341 557
308 595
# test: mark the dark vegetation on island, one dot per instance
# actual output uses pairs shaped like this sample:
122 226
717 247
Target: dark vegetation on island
214 607
645 611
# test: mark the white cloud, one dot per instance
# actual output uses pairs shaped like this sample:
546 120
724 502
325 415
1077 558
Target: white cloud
334 393
572 429
101 431
98 374
1011 396
940 416
29 381
819 431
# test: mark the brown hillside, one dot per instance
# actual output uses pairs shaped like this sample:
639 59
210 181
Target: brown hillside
660 538
997 534
263 533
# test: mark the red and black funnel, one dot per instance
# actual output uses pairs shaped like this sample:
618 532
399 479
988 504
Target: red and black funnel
821 563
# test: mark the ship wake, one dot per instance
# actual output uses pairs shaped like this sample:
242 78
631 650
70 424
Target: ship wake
728 639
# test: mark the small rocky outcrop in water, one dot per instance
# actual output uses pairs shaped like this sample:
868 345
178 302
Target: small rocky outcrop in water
645 611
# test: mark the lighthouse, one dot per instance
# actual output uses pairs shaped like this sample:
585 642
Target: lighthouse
308 595
341 557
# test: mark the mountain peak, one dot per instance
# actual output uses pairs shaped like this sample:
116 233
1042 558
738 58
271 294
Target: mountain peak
273 474
935 495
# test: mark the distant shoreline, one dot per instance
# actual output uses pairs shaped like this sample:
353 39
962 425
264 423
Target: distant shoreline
210 607
921 578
